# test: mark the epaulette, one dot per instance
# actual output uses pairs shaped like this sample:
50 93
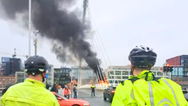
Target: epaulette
122 82
134 79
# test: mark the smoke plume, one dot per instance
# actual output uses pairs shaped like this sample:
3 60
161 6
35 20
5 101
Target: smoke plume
55 22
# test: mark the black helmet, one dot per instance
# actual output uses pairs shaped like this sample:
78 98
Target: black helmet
36 65
142 57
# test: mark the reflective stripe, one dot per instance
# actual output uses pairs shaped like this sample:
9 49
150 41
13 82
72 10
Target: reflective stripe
132 95
164 100
151 94
177 104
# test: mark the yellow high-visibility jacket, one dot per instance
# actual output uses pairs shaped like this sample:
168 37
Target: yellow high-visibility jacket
93 86
144 90
29 93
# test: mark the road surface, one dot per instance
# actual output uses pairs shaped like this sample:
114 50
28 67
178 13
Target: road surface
94 101
98 100
85 94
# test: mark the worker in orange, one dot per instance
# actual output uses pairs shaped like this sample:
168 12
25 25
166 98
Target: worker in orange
66 92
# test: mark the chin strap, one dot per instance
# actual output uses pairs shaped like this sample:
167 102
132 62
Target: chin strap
42 77
131 71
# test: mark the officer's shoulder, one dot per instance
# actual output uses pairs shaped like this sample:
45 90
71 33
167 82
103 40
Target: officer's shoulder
14 88
165 79
171 82
16 85
124 83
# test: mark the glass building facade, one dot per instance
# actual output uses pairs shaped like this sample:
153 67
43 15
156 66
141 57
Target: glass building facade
180 69
180 64
10 65
62 76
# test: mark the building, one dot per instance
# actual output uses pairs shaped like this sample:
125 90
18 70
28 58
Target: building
10 66
5 66
180 64
85 73
50 75
6 80
75 72
116 74
180 70
20 77
62 76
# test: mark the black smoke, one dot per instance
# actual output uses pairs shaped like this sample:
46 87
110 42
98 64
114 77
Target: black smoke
55 22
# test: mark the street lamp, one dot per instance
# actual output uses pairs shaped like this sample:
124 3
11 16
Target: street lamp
29 26
71 75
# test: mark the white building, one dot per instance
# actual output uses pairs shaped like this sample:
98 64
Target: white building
115 74
50 78
84 75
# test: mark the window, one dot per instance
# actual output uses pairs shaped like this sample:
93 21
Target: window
118 72
180 71
175 71
110 81
111 77
115 69
119 68
186 72
125 73
186 63
159 74
125 77
182 62
111 72
118 77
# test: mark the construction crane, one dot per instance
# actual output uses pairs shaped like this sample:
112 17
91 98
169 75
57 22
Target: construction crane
14 55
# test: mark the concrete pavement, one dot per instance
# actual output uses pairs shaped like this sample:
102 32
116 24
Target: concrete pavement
85 94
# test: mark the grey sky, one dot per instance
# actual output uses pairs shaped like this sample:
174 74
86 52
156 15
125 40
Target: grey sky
122 24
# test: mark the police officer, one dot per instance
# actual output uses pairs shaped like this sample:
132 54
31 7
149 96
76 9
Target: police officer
142 89
93 90
32 91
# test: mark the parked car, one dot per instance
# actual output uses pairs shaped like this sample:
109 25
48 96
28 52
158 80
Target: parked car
109 93
70 102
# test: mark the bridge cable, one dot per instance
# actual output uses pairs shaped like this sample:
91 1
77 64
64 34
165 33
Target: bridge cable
99 46
101 41
99 35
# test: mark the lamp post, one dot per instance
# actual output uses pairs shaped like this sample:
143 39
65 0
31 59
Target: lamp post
71 74
29 26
